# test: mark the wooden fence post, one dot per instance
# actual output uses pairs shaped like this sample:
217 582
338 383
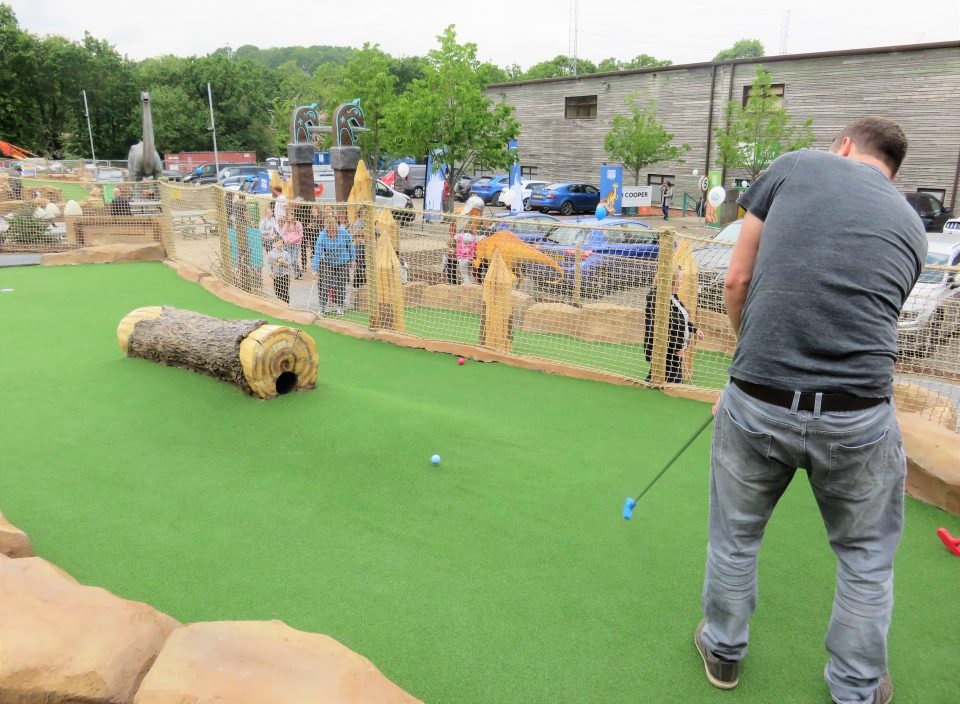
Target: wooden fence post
226 261
370 251
496 321
577 277
663 281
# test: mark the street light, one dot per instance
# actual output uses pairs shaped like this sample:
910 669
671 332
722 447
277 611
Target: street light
213 128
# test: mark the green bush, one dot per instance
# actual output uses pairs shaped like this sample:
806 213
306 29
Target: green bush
27 228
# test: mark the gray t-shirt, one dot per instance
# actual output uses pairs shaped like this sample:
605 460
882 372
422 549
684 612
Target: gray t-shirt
839 253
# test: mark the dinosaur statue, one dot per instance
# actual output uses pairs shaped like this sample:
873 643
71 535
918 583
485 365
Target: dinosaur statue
143 161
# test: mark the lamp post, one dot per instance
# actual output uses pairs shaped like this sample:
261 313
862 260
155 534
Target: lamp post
86 114
213 129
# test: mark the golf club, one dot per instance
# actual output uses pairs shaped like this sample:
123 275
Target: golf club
629 504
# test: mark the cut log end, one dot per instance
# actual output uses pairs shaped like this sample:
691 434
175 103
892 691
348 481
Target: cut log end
129 322
277 359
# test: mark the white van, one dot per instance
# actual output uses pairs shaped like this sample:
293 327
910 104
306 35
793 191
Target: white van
384 195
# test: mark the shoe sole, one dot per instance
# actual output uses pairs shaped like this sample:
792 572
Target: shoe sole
719 684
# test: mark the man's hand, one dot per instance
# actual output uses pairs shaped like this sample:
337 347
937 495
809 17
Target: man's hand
740 271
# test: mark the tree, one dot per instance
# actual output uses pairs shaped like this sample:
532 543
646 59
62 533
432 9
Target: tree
758 132
743 49
367 76
557 67
639 139
447 110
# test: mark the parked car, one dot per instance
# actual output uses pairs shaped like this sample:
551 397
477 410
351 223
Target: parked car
713 260
931 211
414 184
528 188
951 227
489 191
529 227
931 314
568 198
245 170
461 191
109 175
172 175
235 183
207 173
622 254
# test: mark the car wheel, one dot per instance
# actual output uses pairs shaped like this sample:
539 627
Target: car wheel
495 199
526 204
566 208
418 192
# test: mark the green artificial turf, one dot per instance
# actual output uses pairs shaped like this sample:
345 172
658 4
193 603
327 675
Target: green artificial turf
506 574
68 189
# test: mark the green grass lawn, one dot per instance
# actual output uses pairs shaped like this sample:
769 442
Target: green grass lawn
69 191
506 574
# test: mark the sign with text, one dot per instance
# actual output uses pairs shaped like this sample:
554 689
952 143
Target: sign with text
611 189
637 196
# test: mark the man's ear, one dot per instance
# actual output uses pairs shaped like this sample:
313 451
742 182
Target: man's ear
843 147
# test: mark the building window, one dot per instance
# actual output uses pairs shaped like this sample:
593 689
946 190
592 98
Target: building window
528 171
776 91
580 106
939 193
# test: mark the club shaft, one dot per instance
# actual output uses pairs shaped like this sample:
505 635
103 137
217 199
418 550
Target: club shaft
677 455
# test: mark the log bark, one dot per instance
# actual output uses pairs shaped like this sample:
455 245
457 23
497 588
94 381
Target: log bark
262 360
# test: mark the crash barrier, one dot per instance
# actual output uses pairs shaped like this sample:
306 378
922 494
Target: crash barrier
589 297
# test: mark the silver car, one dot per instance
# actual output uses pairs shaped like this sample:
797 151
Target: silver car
931 315
713 260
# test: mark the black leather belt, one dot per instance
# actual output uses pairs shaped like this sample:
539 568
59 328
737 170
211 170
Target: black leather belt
808 399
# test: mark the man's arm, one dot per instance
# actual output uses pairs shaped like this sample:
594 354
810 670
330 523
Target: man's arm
740 272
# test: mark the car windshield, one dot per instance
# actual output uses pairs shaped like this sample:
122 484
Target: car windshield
526 227
729 234
568 236
555 187
932 276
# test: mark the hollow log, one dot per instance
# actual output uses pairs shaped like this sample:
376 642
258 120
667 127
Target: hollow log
263 360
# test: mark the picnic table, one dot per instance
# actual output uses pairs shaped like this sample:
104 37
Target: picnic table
194 224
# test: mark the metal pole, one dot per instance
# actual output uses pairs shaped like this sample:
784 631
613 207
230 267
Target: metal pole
86 114
213 129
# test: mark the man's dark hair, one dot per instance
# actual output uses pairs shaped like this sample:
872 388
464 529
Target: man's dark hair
879 137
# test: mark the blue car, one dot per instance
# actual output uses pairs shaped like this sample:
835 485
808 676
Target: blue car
568 198
529 227
489 191
622 254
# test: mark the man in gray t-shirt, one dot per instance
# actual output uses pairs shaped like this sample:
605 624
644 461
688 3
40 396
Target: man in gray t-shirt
826 258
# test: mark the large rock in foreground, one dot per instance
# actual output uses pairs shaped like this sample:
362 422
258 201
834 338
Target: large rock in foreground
13 541
247 662
62 642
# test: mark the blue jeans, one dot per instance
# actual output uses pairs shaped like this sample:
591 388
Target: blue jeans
856 467
666 211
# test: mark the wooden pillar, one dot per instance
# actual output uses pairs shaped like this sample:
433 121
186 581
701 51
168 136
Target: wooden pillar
370 248
166 216
389 289
496 322
663 281
226 262
301 170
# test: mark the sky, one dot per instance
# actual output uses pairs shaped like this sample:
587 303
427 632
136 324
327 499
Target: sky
520 32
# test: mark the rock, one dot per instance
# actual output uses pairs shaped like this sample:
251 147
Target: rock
914 398
606 322
106 254
551 318
467 298
62 642
933 472
249 662
13 541
413 293
189 272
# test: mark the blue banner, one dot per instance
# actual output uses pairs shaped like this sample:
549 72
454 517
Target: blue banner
516 182
436 177
611 189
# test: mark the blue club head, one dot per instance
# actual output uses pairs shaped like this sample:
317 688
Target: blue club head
628 508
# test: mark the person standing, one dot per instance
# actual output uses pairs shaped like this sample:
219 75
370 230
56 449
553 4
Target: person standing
680 330
827 255
666 193
291 232
16 183
336 253
280 266
120 205
269 230
279 202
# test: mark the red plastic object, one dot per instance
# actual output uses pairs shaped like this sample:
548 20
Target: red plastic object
953 544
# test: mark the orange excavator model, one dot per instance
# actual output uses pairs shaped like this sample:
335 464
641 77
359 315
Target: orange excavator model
12 151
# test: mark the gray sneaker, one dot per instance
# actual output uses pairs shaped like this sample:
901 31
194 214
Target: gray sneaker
723 674
883 694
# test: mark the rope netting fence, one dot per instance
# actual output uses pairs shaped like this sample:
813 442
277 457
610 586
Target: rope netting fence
641 303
